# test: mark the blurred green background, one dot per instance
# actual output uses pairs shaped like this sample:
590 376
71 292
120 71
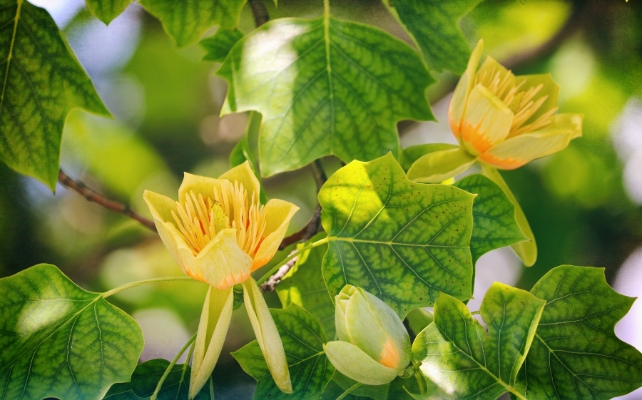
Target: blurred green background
584 203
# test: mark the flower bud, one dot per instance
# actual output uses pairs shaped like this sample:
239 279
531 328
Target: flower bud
373 346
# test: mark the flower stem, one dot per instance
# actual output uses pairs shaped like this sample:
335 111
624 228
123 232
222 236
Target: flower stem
171 365
350 390
290 256
146 281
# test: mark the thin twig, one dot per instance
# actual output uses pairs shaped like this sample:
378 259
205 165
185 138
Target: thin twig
95 197
311 229
259 11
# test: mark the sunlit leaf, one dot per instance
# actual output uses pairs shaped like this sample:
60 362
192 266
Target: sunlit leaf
324 86
575 354
145 379
462 360
41 81
405 242
304 286
58 340
434 27
107 10
303 339
218 46
187 20
494 216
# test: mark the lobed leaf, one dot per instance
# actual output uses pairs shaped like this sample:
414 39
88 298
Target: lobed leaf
462 360
107 10
187 20
575 353
493 214
304 286
303 339
434 27
324 86
58 340
218 46
404 242
41 81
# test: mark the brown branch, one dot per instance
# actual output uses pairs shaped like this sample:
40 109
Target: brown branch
95 197
259 11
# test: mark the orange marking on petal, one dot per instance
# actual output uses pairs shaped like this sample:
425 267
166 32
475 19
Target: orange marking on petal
502 163
475 136
389 355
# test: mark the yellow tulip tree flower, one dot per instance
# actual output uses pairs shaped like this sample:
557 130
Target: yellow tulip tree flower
501 121
219 232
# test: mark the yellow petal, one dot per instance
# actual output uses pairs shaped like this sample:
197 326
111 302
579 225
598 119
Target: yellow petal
267 335
519 150
487 121
438 166
243 174
354 363
212 329
161 207
199 185
463 89
488 71
278 216
222 263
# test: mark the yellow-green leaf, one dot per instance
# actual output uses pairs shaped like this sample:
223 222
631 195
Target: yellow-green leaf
402 241
58 340
463 360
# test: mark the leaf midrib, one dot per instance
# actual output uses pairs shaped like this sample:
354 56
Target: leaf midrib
508 387
13 39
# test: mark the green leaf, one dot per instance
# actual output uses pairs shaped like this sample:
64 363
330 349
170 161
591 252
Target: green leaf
303 339
462 360
575 354
107 10
419 318
412 153
145 379
434 27
325 87
187 20
494 216
58 340
41 82
218 46
526 250
378 392
404 242
304 287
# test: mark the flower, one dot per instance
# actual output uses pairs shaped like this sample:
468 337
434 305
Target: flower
219 232
373 346
501 120
508 121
